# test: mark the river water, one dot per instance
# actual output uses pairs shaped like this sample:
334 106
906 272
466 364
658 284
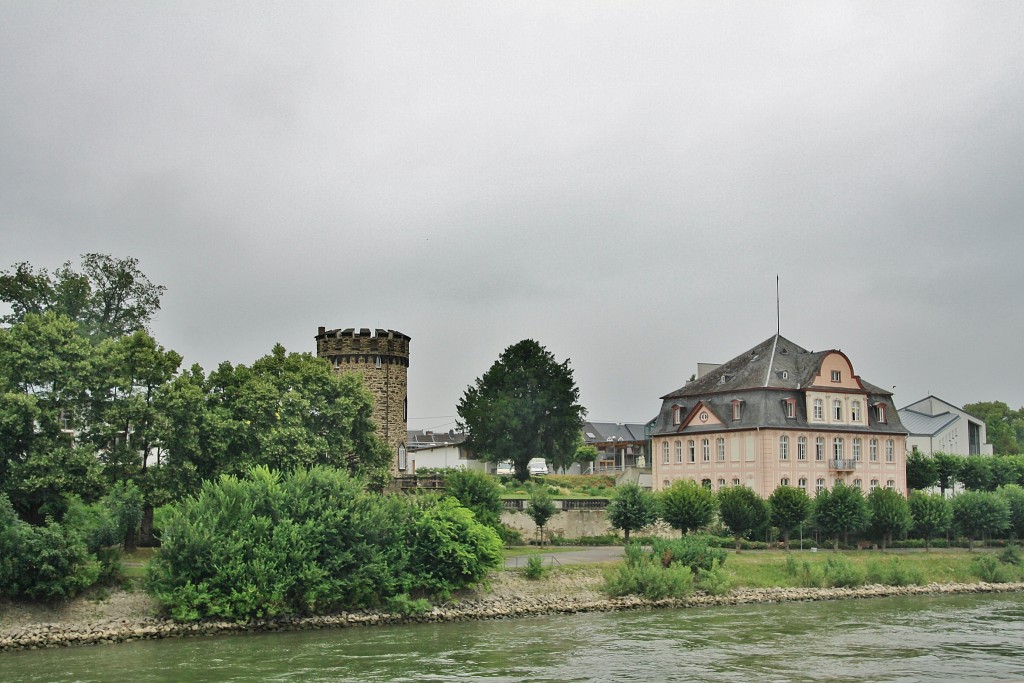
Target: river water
952 638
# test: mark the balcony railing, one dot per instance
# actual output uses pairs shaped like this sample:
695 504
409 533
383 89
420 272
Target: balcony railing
842 464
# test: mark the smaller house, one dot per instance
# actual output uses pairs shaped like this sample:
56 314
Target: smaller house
936 426
440 450
619 445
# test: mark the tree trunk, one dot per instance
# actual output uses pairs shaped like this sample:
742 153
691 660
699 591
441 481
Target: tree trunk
835 543
785 539
146 537
737 537
626 532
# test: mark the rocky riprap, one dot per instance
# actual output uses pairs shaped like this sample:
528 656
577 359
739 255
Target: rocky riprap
51 635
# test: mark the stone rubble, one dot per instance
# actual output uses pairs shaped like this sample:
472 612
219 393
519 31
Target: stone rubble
549 600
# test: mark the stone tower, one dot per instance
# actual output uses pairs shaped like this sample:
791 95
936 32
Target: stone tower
382 358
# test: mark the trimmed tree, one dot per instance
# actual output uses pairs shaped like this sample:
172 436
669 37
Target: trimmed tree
790 507
841 511
686 505
976 473
978 514
947 466
742 510
632 508
541 509
922 472
1014 496
525 406
890 514
932 515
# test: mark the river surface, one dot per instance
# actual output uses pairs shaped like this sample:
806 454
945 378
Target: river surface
952 638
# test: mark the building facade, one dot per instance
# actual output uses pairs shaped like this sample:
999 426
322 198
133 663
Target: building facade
381 358
936 426
619 445
779 414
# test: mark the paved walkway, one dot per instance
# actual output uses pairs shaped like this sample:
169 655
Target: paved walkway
583 555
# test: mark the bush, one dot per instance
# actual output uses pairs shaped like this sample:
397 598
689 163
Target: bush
894 573
648 578
1011 555
693 551
534 568
508 535
990 570
714 581
841 573
810 576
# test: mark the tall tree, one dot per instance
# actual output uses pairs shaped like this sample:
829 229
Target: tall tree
742 510
790 507
525 406
632 508
841 511
890 514
109 297
1004 425
922 472
978 514
686 505
932 515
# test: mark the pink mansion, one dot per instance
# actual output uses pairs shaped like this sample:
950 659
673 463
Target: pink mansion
780 415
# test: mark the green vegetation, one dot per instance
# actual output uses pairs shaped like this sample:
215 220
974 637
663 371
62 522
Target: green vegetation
978 514
742 510
789 508
686 505
528 394
841 511
535 569
632 509
540 510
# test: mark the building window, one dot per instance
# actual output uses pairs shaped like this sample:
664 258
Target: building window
664 483
790 408
880 413
802 484
721 449
819 409
784 481
721 483
819 449
837 448
706 483
377 363
735 481
402 461
837 410
676 415
801 448
783 447
737 409
855 411
890 451
890 484
691 450
837 376
874 484
856 449
858 484
705 447
819 486
873 450
785 374
679 452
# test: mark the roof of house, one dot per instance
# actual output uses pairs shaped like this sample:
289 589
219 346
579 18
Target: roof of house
919 424
606 432
776 363
419 440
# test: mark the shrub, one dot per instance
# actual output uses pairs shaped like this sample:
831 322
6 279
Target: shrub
648 579
1011 555
810 576
477 491
894 573
990 570
791 565
714 581
534 568
508 535
841 573
693 551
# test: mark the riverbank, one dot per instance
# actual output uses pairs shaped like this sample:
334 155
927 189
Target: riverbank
124 616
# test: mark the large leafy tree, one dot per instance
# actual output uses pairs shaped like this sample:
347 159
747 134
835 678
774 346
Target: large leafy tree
840 511
976 473
686 505
1005 426
632 508
790 507
108 297
922 472
978 514
742 510
890 514
525 406
932 515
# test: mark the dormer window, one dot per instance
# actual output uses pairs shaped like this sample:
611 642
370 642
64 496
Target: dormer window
880 412
837 376
790 406
737 409
785 374
677 412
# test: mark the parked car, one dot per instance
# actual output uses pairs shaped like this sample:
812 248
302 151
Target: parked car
504 468
537 467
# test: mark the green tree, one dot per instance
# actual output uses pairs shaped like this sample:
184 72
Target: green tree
109 297
742 510
947 466
477 491
978 514
890 514
922 472
525 406
540 509
1007 469
632 508
841 511
931 513
976 473
790 508
1005 426
686 505
1013 494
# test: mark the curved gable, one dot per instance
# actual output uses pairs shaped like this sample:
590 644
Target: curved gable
836 371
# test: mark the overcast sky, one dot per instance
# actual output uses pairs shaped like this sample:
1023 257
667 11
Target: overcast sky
621 181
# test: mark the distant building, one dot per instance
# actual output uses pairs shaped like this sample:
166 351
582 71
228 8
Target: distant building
936 426
779 414
619 445
381 357
439 450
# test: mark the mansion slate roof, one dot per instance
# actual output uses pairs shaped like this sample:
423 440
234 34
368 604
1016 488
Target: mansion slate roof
919 424
763 378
